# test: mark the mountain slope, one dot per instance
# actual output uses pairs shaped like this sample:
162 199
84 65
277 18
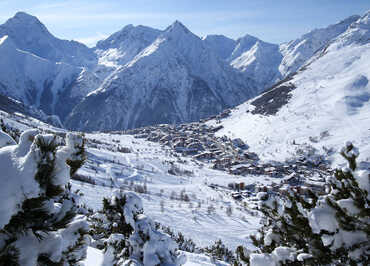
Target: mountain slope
30 35
142 76
267 63
220 45
175 79
297 52
39 82
122 46
260 63
323 105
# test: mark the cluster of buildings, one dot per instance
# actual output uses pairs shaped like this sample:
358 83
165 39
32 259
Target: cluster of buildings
198 140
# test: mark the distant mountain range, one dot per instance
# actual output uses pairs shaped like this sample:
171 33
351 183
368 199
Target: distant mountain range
142 76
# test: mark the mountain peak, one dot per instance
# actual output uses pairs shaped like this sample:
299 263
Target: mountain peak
247 39
24 23
220 44
349 19
25 16
29 34
177 26
128 36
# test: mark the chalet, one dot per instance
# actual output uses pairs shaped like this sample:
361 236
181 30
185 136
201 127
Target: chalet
141 136
165 138
215 129
224 114
196 146
240 169
239 143
237 195
204 155
250 156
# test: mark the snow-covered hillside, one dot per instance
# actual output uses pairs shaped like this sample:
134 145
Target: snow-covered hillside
323 105
194 200
39 82
297 52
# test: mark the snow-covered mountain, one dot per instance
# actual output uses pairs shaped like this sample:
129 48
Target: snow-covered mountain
30 35
122 46
43 71
268 63
325 104
297 52
175 79
203 186
50 86
140 76
260 62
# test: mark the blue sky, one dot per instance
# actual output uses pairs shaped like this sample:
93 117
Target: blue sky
271 20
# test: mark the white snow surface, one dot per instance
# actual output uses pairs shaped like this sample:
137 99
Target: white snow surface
18 166
95 258
29 78
260 63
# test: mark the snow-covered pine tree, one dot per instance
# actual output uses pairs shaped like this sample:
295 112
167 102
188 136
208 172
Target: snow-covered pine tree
130 236
310 229
185 244
78 157
38 222
218 251
111 230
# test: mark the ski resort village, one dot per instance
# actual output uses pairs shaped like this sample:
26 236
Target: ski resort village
160 147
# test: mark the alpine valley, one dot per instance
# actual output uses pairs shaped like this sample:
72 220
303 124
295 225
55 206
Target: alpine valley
243 152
